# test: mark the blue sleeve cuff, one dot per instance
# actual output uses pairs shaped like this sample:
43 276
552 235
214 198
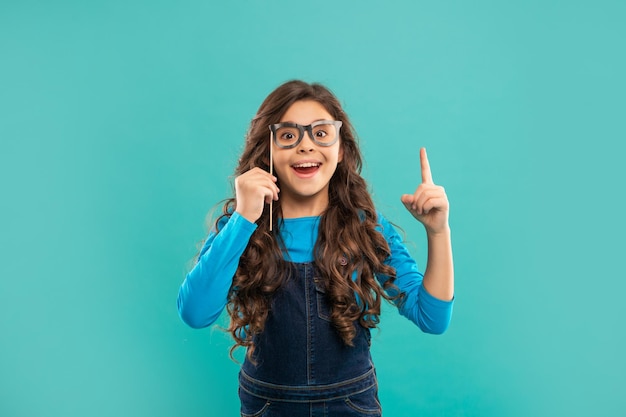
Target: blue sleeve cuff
238 220
433 301
434 314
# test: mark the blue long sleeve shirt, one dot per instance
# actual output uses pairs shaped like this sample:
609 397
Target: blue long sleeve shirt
203 294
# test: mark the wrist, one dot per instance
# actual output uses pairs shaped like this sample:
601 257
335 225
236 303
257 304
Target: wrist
443 233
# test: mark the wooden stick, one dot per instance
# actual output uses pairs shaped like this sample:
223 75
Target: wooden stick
271 173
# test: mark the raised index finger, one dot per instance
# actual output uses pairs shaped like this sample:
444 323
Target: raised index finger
427 176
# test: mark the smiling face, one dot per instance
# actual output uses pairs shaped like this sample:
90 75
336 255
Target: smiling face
305 170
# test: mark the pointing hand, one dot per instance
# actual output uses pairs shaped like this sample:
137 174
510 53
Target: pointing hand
429 203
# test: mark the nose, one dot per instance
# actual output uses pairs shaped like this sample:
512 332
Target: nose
306 144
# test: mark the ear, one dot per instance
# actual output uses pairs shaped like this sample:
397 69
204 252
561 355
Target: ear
340 152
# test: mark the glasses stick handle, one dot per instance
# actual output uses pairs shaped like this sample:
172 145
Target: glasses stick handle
271 173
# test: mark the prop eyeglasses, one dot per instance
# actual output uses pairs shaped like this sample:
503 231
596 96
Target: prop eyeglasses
322 132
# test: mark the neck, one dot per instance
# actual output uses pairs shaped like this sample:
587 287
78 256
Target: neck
303 206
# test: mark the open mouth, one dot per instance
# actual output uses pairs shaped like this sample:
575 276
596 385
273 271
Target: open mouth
306 167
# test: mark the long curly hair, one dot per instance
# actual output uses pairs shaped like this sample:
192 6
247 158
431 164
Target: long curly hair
347 233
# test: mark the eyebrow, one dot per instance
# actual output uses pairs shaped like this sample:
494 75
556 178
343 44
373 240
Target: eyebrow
289 121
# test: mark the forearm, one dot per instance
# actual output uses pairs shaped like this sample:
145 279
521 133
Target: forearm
429 313
203 294
439 274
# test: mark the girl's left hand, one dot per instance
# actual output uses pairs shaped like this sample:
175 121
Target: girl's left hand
429 204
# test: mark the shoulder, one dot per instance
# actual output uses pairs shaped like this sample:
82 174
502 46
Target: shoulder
387 229
383 224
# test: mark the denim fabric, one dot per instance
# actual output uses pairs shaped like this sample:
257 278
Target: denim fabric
303 368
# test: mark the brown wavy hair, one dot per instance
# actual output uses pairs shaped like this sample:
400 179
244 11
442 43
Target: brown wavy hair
347 232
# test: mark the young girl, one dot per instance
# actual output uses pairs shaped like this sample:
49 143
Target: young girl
301 260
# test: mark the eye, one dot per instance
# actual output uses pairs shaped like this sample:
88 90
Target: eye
287 136
320 133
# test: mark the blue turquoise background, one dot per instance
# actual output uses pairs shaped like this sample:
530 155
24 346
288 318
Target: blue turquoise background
120 126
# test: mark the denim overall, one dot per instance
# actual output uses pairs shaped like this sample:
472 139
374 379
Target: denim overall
303 367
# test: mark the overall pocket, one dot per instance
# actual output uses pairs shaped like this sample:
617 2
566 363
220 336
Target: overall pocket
251 405
365 403
323 304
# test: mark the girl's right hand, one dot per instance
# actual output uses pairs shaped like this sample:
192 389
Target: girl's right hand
254 189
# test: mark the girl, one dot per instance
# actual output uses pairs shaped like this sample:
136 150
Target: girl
302 260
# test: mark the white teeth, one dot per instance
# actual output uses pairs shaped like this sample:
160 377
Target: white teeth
307 165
